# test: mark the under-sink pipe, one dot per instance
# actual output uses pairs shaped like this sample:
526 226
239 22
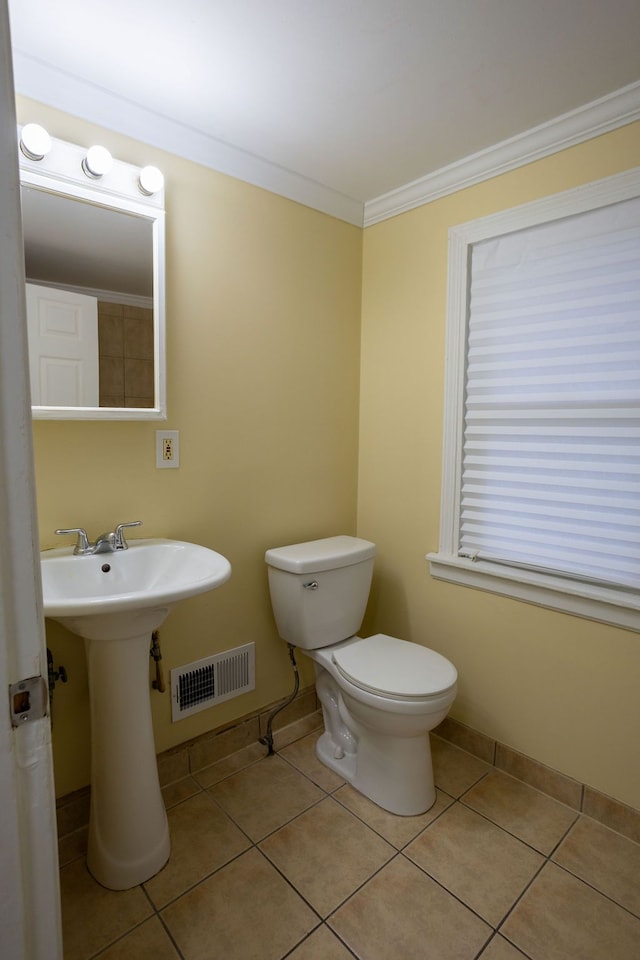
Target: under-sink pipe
155 652
267 740
53 677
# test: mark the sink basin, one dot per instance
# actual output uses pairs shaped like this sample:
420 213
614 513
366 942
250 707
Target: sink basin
115 601
149 573
115 595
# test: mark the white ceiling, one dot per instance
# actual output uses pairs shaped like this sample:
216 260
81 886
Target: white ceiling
333 102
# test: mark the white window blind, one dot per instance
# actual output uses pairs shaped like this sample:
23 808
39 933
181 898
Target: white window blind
551 448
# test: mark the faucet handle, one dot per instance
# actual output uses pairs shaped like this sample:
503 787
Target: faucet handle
120 542
82 546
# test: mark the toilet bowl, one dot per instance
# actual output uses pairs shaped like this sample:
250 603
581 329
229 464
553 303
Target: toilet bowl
380 695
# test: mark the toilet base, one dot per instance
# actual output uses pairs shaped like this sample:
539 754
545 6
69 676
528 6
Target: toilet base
394 772
377 744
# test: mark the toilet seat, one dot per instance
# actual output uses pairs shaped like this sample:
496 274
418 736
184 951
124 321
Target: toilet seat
393 668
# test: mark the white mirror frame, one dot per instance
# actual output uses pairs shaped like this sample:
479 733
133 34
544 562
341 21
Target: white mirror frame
61 172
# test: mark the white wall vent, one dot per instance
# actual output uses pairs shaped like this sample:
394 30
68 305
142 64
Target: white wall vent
203 683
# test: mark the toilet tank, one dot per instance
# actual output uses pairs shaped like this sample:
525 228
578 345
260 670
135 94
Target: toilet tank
319 589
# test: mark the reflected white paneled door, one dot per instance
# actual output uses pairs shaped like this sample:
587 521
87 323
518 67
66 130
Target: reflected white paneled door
63 347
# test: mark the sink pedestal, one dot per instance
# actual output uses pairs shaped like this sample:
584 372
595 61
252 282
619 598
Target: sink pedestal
128 832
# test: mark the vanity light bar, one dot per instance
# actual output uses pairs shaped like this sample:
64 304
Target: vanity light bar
43 155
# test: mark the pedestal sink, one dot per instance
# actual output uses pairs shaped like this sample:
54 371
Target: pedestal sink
114 601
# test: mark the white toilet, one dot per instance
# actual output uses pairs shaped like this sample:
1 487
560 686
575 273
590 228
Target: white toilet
380 696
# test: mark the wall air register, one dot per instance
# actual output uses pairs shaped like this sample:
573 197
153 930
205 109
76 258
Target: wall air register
204 683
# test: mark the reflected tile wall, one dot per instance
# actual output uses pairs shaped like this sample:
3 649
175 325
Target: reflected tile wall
125 342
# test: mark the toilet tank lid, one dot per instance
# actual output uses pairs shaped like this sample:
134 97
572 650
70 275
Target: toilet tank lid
318 555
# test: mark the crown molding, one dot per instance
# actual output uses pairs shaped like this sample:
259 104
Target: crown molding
106 296
49 85
40 81
601 116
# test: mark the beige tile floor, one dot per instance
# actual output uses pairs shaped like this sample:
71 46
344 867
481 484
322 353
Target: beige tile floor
277 857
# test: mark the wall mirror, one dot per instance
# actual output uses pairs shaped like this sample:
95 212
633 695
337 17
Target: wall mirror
93 232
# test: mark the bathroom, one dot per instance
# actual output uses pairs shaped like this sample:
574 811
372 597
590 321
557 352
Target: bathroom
332 422
309 402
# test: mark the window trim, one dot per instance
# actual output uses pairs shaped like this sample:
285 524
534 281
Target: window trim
617 606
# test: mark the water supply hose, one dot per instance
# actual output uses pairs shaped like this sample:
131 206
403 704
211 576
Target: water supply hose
267 740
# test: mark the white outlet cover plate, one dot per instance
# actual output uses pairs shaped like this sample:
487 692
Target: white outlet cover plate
173 436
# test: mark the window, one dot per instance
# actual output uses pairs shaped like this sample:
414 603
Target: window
541 462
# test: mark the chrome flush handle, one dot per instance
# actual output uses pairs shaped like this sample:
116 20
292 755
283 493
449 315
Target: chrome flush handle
312 585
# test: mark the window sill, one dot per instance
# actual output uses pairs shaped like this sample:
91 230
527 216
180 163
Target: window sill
619 608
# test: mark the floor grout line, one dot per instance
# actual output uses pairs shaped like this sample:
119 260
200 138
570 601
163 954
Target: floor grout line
597 890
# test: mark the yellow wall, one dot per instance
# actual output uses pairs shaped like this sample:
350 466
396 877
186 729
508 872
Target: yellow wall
263 315
558 688
263 312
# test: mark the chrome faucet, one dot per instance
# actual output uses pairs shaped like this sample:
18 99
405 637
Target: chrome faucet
105 543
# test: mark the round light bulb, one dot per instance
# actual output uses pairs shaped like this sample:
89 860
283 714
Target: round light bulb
35 142
150 181
97 162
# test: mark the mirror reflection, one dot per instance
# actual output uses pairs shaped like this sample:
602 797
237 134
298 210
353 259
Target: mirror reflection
89 272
